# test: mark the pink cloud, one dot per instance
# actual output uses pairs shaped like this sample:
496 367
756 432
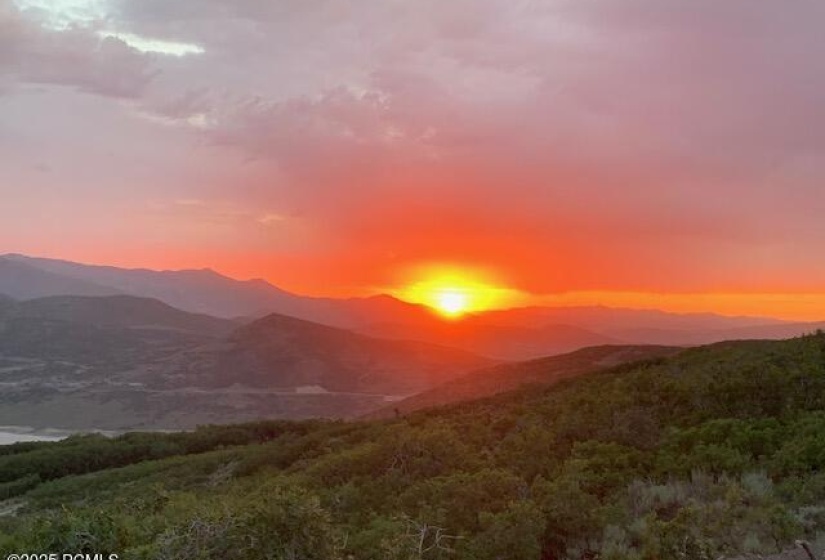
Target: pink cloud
648 144
75 56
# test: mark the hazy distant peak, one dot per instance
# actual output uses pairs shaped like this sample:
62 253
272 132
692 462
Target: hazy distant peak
259 281
120 310
391 300
22 280
121 301
291 326
386 297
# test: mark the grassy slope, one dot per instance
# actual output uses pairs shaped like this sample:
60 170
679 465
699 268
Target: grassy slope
507 377
714 452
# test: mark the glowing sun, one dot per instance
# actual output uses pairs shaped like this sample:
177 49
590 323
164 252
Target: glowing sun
451 302
453 291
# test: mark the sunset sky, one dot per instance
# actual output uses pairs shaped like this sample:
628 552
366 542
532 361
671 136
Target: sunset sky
643 153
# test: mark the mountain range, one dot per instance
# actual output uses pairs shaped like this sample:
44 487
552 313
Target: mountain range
198 291
113 362
91 347
510 334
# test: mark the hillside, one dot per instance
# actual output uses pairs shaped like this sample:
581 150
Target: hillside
122 362
507 377
106 331
281 351
716 452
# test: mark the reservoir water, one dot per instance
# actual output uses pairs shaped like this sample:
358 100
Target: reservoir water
8 437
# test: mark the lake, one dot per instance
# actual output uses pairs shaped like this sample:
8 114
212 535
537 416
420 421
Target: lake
8 437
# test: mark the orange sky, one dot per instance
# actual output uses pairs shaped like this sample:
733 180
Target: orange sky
495 291
643 154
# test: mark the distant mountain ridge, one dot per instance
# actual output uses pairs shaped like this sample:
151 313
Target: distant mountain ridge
774 331
21 280
117 311
509 334
601 317
503 342
198 291
208 292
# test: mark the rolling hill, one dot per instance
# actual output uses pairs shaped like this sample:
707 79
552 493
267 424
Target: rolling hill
121 362
714 452
111 332
280 352
511 376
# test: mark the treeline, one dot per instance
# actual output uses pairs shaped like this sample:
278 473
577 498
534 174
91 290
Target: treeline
714 453
23 465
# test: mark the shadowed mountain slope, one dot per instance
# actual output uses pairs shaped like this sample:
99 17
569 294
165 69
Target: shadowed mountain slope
121 362
111 333
507 377
283 352
120 311
504 342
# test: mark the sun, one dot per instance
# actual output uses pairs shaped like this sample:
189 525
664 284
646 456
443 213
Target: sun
451 302
453 291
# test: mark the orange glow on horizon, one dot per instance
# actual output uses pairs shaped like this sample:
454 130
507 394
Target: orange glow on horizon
801 307
454 291
418 284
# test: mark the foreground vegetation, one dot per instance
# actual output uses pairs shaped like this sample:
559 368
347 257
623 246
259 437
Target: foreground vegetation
717 451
